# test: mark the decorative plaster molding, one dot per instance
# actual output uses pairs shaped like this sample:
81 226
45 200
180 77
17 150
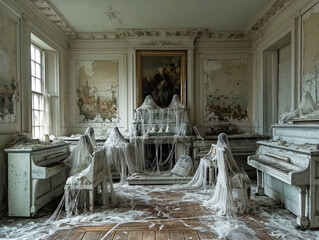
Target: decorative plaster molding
272 11
162 43
159 35
224 35
48 9
192 33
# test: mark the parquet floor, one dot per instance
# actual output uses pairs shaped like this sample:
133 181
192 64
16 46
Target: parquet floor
174 219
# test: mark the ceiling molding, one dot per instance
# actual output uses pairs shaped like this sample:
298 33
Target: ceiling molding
52 14
271 12
160 34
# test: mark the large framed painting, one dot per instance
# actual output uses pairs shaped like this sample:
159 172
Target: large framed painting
310 52
226 90
160 74
97 88
10 109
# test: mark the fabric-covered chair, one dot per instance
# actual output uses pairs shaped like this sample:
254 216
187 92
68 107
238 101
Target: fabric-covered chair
230 177
88 179
207 165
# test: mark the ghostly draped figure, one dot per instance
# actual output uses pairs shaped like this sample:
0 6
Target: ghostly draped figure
151 119
230 177
90 132
306 110
206 165
119 153
178 110
144 115
81 156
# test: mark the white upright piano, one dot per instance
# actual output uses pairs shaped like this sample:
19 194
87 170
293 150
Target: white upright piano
288 170
35 176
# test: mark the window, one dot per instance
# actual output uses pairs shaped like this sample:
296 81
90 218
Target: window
44 88
37 89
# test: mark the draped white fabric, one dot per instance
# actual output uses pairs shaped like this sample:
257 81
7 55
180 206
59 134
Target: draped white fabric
119 154
231 193
306 110
90 132
200 177
229 172
150 118
80 158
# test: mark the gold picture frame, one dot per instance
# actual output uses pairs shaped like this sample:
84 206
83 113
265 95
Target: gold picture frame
161 74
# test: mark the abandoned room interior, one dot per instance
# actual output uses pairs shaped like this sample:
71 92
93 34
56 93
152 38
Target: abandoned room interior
171 119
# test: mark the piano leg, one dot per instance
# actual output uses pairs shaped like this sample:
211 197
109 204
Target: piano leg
302 220
91 196
260 183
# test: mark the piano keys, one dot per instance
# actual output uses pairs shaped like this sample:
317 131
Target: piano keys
35 177
288 170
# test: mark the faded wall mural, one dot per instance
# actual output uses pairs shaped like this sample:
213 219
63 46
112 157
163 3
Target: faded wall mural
226 90
8 69
97 90
310 39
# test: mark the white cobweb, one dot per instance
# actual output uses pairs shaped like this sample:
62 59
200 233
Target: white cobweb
277 221
150 119
231 194
120 154
165 126
81 170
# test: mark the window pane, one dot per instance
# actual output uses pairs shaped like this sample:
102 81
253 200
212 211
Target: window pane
36 115
32 52
32 120
37 55
33 84
32 68
38 84
35 102
38 70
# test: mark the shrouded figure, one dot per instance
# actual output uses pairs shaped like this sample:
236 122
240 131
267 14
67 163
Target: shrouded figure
81 157
232 190
90 132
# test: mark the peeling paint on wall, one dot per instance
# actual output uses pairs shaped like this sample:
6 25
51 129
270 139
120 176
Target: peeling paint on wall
8 70
310 64
226 90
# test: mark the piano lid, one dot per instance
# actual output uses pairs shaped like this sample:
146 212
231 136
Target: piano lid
304 148
296 133
35 147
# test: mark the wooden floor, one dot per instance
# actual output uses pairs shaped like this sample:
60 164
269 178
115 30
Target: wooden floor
173 219
138 231
133 232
